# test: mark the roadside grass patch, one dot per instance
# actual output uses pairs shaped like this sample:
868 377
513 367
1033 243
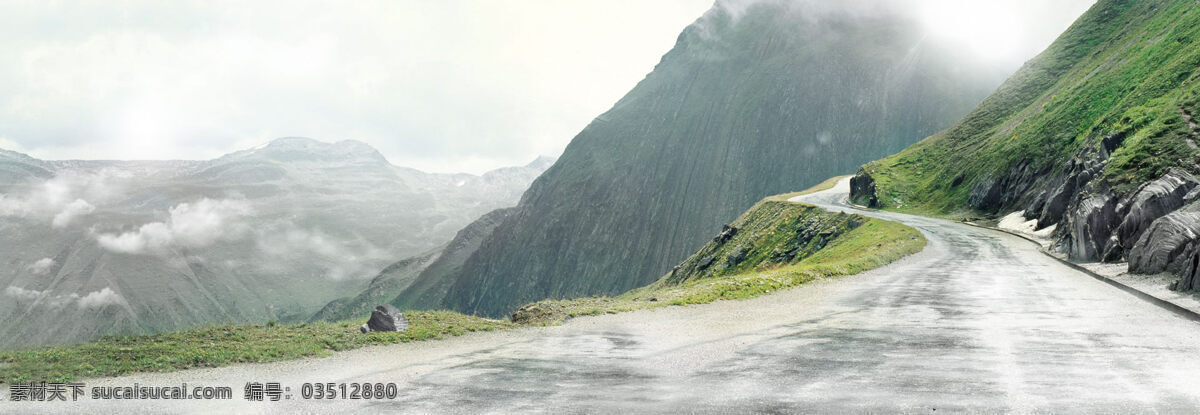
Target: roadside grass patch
222 346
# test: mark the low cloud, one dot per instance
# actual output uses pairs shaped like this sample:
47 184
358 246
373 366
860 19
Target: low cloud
191 225
338 258
95 299
42 267
100 299
19 293
61 200
72 211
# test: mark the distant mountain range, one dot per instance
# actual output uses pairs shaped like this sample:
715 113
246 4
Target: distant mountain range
274 232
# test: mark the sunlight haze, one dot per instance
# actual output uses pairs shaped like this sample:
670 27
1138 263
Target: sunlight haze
443 86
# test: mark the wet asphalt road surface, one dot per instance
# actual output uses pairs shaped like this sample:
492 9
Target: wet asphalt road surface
979 322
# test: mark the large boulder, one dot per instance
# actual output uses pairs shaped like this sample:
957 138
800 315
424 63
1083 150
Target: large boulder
385 318
862 189
1152 201
1164 246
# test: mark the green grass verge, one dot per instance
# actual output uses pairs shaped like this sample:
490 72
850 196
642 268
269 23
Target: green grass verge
221 346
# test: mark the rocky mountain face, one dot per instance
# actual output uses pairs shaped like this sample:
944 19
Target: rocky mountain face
276 232
1094 137
756 98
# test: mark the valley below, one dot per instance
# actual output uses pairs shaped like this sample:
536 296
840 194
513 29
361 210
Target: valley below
979 321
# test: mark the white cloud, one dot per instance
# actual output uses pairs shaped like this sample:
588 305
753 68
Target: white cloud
63 199
72 211
100 299
191 225
24 294
42 266
196 79
96 299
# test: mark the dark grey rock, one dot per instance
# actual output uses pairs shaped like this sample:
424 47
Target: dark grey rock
1089 224
986 195
1010 189
727 233
958 180
1112 140
1189 279
385 318
1153 200
1165 244
1114 250
1060 196
736 257
1057 202
1034 209
862 189
1192 196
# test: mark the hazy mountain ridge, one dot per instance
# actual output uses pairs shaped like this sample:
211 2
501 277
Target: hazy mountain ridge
421 282
275 232
755 99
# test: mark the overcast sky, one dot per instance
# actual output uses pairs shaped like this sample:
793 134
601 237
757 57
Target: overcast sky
440 85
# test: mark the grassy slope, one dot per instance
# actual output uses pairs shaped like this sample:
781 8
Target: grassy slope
871 244
1125 66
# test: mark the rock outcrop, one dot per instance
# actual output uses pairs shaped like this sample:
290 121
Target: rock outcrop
1152 201
1168 243
1189 278
1050 206
385 318
1100 226
862 189
1088 225
991 195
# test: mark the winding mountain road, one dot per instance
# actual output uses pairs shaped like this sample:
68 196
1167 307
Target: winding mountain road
979 321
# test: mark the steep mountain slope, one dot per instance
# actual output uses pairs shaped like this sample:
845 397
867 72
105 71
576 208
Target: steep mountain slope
417 283
1094 137
382 290
275 232
756 98
428 290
